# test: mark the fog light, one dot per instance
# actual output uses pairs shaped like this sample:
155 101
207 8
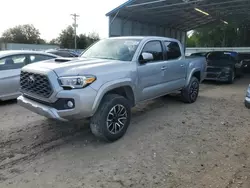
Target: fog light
70 104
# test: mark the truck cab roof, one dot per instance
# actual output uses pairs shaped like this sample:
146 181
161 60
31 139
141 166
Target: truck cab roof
144 38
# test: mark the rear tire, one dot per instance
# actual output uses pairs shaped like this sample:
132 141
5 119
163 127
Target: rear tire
190 93
112 118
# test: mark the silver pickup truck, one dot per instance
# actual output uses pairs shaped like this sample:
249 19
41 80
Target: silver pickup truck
110 78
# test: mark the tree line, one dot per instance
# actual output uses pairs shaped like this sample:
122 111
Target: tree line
28 34
219 36
210 36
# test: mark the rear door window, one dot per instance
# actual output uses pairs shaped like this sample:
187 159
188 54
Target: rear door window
173 50
220 56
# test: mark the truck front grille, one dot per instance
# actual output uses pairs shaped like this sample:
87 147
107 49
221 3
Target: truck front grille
35 84
213 69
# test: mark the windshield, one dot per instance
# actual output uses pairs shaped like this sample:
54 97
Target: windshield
221 56
244 56
199 54
116 49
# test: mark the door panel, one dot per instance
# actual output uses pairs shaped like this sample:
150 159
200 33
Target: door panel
10 68
9 82
176 66
151 74
150 79
176 73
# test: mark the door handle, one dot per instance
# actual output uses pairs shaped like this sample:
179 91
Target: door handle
182 65
163 68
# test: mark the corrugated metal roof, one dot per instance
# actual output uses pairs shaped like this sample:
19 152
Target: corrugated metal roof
185 14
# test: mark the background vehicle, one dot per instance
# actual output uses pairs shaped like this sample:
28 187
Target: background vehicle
199 54
223 66
63 52
247 98
111 76
245 58
11 63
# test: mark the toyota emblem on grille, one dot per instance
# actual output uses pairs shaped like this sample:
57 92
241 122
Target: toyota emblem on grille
31 80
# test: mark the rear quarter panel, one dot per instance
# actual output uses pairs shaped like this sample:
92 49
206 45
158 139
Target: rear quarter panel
196 64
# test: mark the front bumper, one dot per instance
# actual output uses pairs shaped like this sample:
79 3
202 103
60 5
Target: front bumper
83 105
39 108
218 76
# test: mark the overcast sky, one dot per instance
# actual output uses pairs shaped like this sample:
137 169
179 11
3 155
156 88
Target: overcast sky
51 16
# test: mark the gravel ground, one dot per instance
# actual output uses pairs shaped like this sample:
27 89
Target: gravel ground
168 144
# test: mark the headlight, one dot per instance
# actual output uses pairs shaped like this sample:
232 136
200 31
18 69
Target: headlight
76 82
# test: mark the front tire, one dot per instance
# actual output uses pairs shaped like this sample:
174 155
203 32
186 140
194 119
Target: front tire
112 118
190 93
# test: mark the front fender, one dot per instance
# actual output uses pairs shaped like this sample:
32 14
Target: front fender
110 86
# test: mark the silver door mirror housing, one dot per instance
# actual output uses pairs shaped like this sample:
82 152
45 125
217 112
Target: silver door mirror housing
147 56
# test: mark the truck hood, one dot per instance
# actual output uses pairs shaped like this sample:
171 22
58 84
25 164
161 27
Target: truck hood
79 66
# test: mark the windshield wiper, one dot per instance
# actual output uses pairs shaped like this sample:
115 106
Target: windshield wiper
98 57
104 58
107 58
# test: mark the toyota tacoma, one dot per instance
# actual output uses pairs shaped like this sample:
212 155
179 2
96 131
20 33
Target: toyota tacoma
108 79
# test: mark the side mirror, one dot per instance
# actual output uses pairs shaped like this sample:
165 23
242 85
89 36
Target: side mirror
145 57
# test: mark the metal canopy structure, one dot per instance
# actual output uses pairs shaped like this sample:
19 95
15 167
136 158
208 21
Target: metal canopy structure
173 18
184 15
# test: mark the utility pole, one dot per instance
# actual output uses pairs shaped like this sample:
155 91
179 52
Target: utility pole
75 26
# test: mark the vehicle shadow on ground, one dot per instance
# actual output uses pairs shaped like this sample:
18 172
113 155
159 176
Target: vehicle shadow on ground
8 102
35 134
49 133
217 83
237 81
43 132
148 106
81 129
45 135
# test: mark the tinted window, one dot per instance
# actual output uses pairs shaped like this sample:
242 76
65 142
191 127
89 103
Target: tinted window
37 57
243 56
199 54
172 50
13 62
155 48
221 56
